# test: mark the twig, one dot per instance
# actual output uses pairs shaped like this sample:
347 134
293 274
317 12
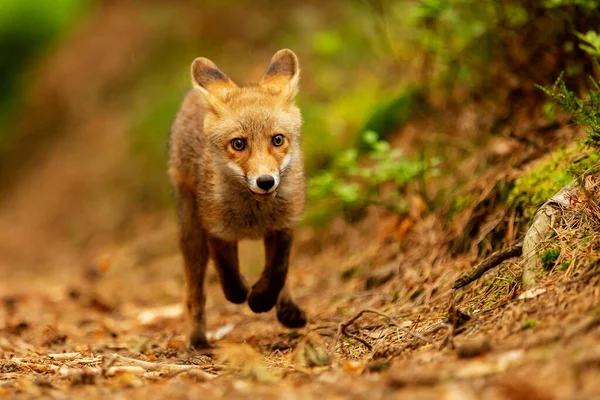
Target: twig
391 321
36 367
492 261
151 366
436 327
64 356
344 326
448 337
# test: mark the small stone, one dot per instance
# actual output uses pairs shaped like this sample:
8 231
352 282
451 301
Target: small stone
353 366
414 377
474 347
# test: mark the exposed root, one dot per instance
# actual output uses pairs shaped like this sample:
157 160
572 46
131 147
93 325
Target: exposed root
343 329
492 261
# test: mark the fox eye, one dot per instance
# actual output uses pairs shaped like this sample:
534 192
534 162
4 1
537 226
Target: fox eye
278 140
238 144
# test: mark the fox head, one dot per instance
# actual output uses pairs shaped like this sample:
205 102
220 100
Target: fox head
253 131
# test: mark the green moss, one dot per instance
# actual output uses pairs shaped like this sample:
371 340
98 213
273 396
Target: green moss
459 204
414 295
549 258
547 177
350 273
528 324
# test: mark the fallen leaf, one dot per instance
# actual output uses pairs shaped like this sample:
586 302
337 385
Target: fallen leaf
220 332
353 366
152 315
531 293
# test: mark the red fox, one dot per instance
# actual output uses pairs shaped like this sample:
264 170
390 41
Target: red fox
237 169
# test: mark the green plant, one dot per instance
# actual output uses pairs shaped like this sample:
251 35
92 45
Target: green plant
528 324
591 43
378 179
549 258
585 4
27 29
585 110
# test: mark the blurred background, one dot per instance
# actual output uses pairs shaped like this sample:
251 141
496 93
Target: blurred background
403 100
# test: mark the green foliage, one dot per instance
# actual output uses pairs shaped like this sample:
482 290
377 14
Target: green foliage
585 110
352 184
549 258
455 41
389 116
458 204
456 35
585 4
26 27
163 89
591 43
330 124
528 324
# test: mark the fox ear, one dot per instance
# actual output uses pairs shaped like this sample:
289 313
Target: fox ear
283 74
210 80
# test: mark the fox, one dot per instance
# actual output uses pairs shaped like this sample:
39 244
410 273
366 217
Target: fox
237 169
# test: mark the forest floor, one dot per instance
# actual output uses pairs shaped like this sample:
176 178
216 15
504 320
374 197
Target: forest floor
63 338
91 310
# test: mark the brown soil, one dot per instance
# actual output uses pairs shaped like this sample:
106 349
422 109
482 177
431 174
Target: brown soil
79 275
545 346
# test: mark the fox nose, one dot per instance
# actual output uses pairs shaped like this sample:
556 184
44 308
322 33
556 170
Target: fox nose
265 182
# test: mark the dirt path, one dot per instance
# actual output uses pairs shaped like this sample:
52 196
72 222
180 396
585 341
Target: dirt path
542 347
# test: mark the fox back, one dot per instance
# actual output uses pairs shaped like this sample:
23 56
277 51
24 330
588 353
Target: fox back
238 150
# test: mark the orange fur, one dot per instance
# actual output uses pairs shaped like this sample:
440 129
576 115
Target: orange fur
221 200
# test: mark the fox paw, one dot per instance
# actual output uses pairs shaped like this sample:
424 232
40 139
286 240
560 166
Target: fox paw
291 316
236 293
263 296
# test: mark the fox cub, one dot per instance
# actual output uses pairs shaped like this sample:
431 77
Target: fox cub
237 168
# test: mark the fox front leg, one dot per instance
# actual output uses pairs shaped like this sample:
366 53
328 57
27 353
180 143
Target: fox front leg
225 257
265 292
288 312
192 240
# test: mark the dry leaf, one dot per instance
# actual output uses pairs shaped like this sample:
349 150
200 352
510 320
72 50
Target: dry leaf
220 332
152 315
531 293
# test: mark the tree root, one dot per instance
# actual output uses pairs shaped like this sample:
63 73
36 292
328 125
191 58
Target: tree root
343 329
492 261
